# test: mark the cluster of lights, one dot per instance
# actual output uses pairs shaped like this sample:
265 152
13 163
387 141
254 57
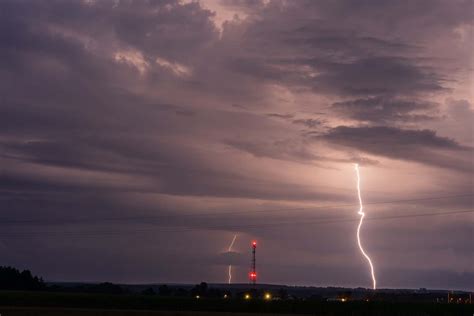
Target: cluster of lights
266 296
247 296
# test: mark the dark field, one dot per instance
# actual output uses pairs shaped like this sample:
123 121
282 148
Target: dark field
29 311
50 303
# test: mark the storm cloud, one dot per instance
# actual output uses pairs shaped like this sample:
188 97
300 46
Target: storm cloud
148 132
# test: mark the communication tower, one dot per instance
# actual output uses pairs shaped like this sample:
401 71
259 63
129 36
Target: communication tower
253 269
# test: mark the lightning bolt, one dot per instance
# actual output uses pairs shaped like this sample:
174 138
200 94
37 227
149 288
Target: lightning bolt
362 215
229 250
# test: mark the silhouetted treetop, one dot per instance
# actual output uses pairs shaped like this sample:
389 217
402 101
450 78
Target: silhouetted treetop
13 279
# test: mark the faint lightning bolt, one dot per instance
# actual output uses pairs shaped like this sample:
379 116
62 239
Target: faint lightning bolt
362 215
229 250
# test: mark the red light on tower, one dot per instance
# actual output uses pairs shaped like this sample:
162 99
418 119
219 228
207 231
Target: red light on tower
253 277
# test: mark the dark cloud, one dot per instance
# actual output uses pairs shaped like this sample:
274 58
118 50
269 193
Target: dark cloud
246 5
279 149
422 146
375 76
392 137
306 122
165 169
295 151
380 110
359 76
318 37
414 15
310 123
317 53
146 111
281 116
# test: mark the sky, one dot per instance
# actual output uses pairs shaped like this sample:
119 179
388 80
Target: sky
138 137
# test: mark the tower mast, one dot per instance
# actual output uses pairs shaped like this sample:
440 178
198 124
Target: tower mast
253 269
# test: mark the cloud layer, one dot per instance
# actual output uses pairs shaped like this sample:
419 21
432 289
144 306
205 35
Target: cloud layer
130 121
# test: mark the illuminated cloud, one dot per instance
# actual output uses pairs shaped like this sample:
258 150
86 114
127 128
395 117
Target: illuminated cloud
132 118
